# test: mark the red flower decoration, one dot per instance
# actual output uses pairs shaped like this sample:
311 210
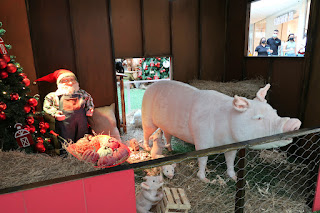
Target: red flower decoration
39 140
6 57
23 75
41 125
3 74
46 125
27 127
3 106
3 63
32 128
42 131
14 96
27 109
3 116
30 120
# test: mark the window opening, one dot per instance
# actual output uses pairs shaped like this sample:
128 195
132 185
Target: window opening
278 27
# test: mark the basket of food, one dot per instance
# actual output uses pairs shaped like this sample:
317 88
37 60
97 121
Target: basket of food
103 151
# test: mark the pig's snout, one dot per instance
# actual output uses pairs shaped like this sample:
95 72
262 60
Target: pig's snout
291 125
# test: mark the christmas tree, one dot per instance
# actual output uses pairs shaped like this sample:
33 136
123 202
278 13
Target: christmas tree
154 68
21 127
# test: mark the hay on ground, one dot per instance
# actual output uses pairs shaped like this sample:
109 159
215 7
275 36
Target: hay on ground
247 88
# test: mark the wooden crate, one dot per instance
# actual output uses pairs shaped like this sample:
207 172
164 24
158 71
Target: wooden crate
174 200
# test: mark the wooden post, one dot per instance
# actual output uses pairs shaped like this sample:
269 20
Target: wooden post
123 105
240 194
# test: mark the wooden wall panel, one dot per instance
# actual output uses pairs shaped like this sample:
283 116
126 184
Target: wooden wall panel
18 35
236 22
212 39
93 50
257 67
286 86
312 111
126 25
185 41
156 27
51 38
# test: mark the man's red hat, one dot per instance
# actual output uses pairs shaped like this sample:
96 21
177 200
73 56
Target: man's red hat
56 76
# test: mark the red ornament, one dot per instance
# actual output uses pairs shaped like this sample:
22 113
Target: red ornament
3 74
151 64
42 131
14 96
3 63
155 77
140 61
6 58
30 120
23 75
143 59
33 102
26 81
11 68
149 78
2 116
23 136
3 106
32 128
27 109
40 147
39 140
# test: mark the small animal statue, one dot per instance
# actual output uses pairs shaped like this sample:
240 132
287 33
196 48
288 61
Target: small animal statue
149 195
136 121
134 146
158 144
167 170
207 118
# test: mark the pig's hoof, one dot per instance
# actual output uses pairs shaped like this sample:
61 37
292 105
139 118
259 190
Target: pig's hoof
203 177
147 148
205 180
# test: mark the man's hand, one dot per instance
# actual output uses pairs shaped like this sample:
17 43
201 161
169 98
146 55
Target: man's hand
60 116
89 112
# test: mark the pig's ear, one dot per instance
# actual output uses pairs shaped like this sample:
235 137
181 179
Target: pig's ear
145 186
174 165
240 104
261 94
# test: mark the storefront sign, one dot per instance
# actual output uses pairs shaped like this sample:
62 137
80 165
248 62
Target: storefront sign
283 18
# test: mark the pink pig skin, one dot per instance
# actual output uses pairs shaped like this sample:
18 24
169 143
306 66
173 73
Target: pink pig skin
207 118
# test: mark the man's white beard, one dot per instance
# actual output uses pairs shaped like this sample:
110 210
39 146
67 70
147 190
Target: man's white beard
67 90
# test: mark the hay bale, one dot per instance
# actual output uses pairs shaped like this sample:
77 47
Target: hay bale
19 168
247 88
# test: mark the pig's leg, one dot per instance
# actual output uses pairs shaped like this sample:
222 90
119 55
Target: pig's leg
202 160
202 167
168 139
230 157
147 132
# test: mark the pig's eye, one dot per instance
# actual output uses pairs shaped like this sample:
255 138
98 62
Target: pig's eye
258 117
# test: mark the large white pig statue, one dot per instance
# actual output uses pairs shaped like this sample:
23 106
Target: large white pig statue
207 118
